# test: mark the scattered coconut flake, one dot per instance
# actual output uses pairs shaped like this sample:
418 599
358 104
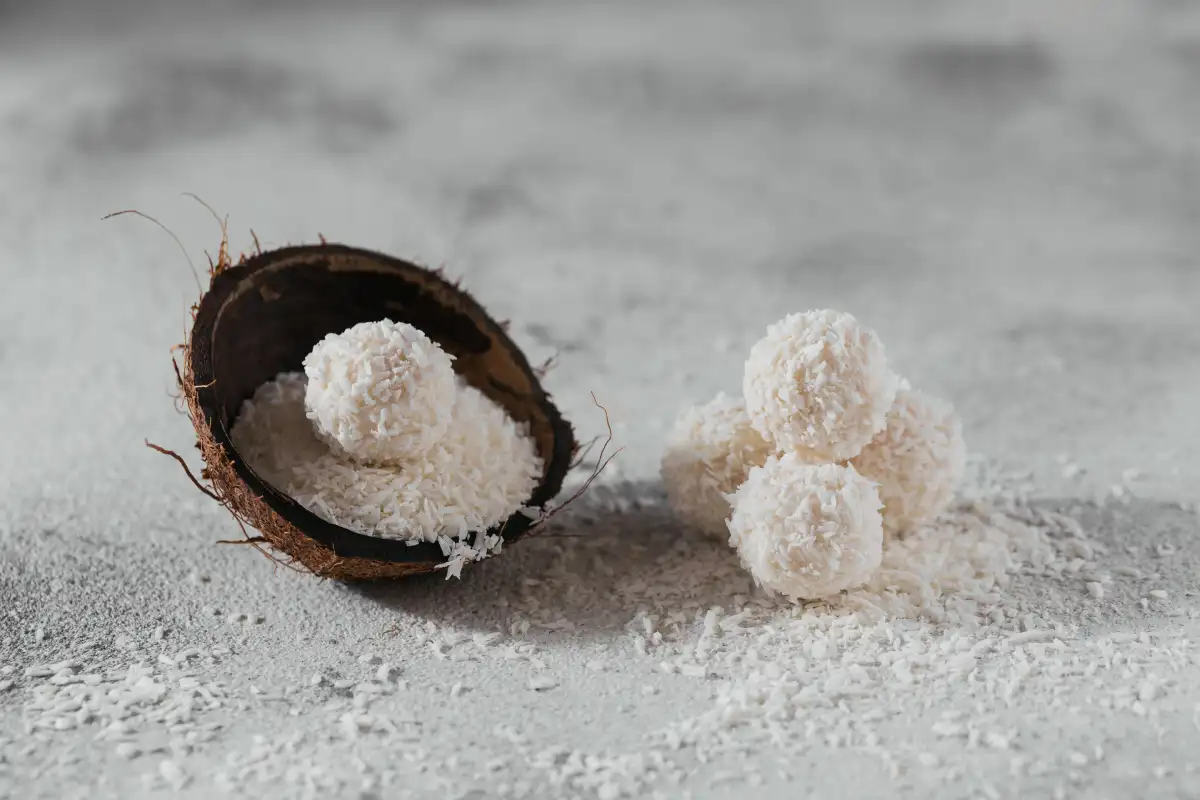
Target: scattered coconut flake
127 751
541 683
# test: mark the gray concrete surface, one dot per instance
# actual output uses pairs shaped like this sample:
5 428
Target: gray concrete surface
1009 193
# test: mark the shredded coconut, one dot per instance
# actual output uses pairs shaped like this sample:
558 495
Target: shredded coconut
380 392
968 641
918 459
807 531
124 701
708 456
818 384
477 475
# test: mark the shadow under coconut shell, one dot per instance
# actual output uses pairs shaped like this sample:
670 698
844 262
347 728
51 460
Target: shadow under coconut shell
617 554
588 572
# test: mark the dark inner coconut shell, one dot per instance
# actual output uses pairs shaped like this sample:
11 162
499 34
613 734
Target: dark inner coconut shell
263 317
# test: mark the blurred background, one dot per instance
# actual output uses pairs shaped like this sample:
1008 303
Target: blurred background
1008 192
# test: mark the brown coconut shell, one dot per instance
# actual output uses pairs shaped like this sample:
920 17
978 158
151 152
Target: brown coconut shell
263 316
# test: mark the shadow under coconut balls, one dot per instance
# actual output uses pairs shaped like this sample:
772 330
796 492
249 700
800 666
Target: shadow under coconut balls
617 552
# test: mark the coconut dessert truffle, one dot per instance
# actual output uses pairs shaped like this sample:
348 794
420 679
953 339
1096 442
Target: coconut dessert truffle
807 531
477 475
818 384
380 392
832 450
708 455
918 459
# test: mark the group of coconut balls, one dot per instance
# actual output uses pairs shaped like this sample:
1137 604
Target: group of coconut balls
827 455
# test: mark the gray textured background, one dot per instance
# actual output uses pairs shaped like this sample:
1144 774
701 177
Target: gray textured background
1008 192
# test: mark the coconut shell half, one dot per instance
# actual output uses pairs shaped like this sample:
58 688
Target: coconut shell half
263 316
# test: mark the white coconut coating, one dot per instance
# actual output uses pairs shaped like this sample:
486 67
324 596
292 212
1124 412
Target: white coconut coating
708 455
380 392
918 459
477 476
818 384
807 531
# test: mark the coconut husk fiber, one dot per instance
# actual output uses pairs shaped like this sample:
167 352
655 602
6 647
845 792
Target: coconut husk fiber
261 317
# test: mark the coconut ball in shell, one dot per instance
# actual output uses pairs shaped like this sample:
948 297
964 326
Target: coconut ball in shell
818 384
380 392
708 455
259 318
917 460
807 531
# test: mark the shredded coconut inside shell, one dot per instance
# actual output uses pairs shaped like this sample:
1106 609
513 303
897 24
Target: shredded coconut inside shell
807 531
477 475
818 384
380 392
918 460
709 454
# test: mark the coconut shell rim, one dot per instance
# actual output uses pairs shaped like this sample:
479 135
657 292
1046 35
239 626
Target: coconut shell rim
345 544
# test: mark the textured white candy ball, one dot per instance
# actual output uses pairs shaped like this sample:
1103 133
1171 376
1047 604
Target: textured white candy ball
708 455
818 384
918 459
807 531
380 392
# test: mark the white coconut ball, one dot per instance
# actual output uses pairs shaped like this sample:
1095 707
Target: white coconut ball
918 459
807 531
708 455
380 392
818 384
